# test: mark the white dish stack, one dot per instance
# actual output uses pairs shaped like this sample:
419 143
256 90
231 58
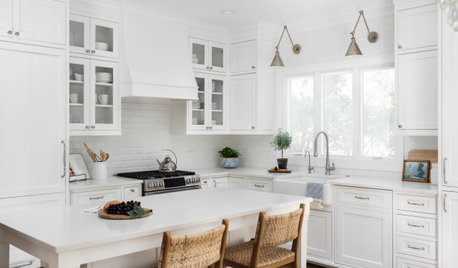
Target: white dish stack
104 77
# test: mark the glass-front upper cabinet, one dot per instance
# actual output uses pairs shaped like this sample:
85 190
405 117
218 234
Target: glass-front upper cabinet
207 55
209 111
94 97
93 37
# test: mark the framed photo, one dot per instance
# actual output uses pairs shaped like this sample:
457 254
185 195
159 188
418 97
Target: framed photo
415 170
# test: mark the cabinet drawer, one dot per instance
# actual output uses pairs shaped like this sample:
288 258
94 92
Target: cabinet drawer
416 225
256 185
96 196
415 203
416 247
364 197
404 263
132 192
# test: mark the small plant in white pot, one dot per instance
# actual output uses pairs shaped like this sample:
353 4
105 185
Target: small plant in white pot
281 142
229 157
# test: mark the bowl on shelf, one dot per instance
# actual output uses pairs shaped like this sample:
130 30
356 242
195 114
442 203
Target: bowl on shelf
104 77
101 46
79 77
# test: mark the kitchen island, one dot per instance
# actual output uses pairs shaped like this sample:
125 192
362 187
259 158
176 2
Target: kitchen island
69 237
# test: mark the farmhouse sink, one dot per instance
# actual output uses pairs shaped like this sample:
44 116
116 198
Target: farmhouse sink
296 184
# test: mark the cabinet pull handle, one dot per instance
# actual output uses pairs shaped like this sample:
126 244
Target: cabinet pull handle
10 32
400 46
93 51
445 203
132 190
88 127
88 51
416 248
96 198
399 126
64 159
253 67
252 127
416 225
361 197
444 170
259 185
415 203
17 33
93 126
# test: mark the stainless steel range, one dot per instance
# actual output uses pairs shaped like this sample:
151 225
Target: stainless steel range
157 182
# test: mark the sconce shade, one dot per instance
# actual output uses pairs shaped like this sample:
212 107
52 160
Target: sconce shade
353 49
277 60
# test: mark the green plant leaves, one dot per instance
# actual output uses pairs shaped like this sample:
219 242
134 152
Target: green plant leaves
228 153
136 212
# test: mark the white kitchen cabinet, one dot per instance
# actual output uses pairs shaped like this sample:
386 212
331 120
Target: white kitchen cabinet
236 183
363 229
93 37
99 196
19 21
320 235
243 57
33 120
209 112
214 183
132 192
243 103
417 28
94 100
449 236
258 185
418 91
208 55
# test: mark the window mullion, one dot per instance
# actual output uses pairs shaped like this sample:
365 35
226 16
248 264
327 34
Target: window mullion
318 105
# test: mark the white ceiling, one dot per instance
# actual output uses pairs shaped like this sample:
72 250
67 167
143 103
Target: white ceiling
252 11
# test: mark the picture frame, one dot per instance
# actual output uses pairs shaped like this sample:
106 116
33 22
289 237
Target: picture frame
416 171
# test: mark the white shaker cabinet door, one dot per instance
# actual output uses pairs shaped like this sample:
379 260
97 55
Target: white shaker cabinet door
363 237
417 82
50 26
319 235
32 120
449 231
243 102
243 57
6 18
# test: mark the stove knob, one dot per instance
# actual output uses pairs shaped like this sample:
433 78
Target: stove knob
150 185
193 180
198 179
188 180
161 184
156 184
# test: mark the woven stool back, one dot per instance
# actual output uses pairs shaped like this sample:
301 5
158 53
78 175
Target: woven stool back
196 250
279 229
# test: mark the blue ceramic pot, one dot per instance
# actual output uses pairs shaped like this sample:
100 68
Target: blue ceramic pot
230 162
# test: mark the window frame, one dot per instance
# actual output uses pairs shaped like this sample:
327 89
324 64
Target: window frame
357 67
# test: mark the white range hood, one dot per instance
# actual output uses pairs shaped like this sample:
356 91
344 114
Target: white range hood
155 62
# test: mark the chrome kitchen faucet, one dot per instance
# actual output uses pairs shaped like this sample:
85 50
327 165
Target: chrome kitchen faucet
309 168
328 167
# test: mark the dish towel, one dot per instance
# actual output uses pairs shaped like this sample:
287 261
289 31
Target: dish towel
320 192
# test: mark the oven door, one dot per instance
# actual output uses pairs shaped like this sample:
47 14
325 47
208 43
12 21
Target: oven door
171 190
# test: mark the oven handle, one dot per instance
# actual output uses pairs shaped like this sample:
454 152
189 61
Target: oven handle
163 191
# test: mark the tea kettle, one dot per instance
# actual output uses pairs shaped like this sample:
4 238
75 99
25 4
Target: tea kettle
167 165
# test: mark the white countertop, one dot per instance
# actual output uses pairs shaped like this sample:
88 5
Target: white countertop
111 181
238 172
69 228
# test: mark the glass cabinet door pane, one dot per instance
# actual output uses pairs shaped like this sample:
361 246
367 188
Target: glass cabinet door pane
198 106
217 57
217 105
198 54
77 34
103 95
104 38
76 95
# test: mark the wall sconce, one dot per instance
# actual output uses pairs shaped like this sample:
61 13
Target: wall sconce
353 49
296 49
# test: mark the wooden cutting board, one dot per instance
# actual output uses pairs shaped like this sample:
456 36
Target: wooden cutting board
430 155
103 214
279 170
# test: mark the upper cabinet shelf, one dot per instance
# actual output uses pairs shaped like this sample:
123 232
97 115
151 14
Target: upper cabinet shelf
208 56
93 37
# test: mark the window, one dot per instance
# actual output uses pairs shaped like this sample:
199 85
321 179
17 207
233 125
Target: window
355 107
301 110
338 112
378 137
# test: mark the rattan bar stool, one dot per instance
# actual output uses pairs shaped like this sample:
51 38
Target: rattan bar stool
263 250
196 250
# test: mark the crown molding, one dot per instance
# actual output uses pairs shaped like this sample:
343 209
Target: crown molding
103 9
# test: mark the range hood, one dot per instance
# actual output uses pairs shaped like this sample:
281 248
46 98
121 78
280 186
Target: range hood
155 62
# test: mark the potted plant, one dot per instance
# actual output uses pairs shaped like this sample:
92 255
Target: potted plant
229 157
281 142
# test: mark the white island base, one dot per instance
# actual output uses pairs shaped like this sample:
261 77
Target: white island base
68 237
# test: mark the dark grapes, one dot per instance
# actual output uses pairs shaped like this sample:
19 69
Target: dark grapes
122 208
